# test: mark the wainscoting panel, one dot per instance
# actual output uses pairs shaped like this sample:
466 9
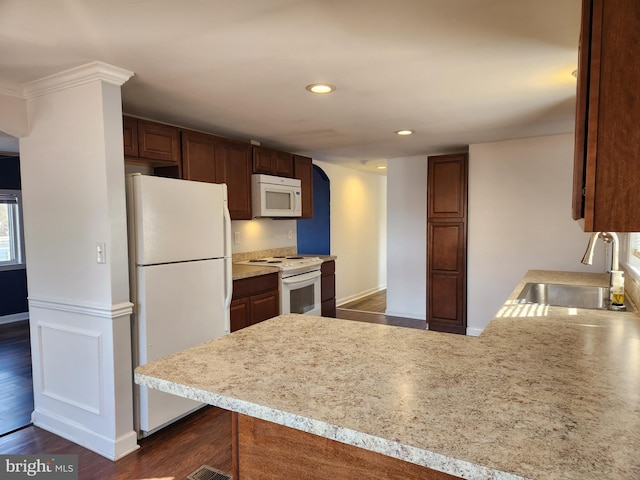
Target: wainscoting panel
75 378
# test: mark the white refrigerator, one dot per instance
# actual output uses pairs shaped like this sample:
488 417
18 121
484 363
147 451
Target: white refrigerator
180 278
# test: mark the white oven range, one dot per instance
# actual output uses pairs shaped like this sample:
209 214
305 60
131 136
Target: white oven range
299 282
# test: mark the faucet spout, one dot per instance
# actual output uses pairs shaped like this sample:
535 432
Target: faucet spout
607 237
587 259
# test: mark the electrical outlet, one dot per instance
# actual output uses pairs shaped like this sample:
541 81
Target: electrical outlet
236 238
101 252
290 234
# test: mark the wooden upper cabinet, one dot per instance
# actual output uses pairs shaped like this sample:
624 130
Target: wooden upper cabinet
208 158
130 136
606 188
272 162
199 157
447 189
303 171
150 142
158 142
233 167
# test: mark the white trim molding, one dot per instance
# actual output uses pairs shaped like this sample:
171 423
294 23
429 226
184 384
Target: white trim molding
94 310
76 76
14 317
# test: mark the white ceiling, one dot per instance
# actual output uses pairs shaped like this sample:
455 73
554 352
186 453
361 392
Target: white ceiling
455 71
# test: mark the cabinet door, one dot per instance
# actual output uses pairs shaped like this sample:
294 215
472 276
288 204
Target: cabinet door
447 243
264 306
130 136
239 313
233 167
283 164
158 142
198 157
263 161
610 151
303 171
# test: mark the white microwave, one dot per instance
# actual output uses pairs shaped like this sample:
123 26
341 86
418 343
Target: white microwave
275 196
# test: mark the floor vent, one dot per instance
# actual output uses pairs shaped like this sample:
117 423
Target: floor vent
205 472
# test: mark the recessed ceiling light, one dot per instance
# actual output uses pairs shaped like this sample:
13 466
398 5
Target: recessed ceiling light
403 132
320 88
382 167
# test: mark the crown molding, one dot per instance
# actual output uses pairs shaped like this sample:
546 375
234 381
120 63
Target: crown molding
11 90
74 77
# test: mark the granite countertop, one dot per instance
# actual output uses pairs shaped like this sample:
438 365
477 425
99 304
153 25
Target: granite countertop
543 393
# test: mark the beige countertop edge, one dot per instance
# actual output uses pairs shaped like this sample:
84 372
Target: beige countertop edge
498 369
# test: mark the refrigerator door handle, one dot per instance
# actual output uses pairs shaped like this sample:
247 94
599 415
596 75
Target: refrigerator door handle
227 251
228 282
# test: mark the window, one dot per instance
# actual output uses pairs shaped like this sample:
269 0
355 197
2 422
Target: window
634 251
11 241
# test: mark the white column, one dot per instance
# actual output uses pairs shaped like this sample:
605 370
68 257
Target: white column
72 169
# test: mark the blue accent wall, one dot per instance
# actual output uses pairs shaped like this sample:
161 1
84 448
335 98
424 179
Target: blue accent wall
13 283
314 235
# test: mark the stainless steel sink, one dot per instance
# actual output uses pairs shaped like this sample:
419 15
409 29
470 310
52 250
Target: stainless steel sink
578 296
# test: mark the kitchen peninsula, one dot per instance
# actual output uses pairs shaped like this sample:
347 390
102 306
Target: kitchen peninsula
543 393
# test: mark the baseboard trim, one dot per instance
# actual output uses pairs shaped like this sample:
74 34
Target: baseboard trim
358 296
113 449
415 316
14 317
474 332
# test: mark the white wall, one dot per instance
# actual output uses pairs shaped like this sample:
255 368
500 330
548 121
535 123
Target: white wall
358 222
406 237
519 219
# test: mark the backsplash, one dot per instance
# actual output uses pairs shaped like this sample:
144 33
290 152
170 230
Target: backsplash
263 234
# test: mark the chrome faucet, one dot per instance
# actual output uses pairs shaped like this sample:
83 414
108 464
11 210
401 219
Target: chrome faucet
607 237
616 282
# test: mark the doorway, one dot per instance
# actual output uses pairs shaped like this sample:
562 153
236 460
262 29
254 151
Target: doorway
16 385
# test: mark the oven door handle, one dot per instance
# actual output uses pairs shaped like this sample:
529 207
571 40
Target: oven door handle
301 278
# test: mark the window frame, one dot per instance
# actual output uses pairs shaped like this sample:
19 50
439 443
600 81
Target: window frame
633 253
16 232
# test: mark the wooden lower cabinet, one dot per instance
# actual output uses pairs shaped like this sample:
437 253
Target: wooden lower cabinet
263 450
328 289
254 300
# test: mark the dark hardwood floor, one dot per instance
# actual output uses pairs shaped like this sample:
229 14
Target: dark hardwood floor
202 438
371 309
16 387
376 303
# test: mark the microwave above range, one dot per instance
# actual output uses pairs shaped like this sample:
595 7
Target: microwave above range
275 196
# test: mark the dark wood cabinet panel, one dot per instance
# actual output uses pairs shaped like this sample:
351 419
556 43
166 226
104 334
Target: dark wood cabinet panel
199 157
158 142
239 313
264 306
264 450
447 188
272 162
254 300
607 151
303 171
447 243
328 289
208 158
130 136
233 167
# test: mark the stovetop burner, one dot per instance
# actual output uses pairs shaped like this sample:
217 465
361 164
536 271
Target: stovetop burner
288 262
